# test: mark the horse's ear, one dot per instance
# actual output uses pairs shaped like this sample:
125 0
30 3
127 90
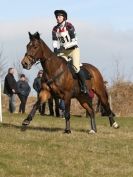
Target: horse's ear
37 35
30 35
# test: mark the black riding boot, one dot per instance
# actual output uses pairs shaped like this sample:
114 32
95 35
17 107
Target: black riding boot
82 82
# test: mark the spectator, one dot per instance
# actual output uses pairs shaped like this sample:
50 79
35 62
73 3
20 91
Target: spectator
62 108
23 92
37 87
10 89
54 98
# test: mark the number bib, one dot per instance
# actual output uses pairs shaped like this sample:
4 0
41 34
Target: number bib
63 36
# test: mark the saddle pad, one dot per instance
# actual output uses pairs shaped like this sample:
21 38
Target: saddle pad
86 73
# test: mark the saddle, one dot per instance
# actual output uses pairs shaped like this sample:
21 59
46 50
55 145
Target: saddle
87 74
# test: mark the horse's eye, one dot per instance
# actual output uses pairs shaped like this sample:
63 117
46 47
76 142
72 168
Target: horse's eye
30 44
35 47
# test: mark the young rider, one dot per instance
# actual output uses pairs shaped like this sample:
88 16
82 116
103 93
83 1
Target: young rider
63 34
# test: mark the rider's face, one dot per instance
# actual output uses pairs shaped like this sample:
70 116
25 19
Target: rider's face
60 19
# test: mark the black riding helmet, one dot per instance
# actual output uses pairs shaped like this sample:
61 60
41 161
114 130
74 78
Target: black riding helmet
60 12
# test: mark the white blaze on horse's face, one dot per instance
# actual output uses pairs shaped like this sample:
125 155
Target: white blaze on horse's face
27 62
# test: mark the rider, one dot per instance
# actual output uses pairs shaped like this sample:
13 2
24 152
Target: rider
63 34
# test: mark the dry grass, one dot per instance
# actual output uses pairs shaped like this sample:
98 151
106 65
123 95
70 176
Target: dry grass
44 151
122 98
122 101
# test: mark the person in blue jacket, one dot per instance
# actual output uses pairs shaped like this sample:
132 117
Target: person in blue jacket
23 92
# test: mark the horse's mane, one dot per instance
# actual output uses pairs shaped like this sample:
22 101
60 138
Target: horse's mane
54 56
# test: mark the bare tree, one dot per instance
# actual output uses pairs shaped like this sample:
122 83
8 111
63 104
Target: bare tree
3 65
119 75
17 65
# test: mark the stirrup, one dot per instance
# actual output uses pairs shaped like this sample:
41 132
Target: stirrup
84 90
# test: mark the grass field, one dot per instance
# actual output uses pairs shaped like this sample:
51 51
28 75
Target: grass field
44 151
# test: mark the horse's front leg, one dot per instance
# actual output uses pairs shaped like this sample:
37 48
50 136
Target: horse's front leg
31 114
44 95
67 117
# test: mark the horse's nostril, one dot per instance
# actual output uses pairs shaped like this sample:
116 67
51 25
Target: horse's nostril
24 64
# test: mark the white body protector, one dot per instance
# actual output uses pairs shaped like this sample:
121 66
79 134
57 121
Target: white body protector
64 36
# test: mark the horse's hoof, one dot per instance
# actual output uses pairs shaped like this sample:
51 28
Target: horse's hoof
92 132
115 125
25 122
67 131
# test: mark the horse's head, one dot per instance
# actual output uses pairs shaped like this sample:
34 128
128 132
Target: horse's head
34 51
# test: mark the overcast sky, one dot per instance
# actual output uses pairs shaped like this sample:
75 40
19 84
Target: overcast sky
104 30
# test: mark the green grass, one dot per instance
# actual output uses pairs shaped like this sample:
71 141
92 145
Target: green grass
44 151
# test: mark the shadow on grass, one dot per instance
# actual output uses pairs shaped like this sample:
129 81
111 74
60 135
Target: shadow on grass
35 128
24 128
81 130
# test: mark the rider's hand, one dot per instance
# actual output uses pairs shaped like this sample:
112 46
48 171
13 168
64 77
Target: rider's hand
62 48
56 51
13 90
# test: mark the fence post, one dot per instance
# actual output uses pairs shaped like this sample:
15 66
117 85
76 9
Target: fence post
0 103
110 101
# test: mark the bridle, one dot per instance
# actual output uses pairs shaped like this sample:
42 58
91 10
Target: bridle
29 61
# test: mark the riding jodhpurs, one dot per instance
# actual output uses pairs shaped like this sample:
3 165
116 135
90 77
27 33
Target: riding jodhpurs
75 55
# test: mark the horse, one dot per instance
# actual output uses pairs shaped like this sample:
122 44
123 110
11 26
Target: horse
58 79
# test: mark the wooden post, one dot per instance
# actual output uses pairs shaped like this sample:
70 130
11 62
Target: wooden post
0 103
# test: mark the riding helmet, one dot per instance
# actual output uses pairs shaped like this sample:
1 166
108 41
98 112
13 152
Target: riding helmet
61 12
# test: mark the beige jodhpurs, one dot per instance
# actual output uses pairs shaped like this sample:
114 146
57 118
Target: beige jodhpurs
75 55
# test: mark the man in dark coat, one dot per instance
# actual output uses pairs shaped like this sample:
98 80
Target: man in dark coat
10 89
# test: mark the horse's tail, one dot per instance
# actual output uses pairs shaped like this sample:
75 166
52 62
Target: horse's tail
97 82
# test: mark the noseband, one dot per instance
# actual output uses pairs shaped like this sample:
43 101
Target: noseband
31 59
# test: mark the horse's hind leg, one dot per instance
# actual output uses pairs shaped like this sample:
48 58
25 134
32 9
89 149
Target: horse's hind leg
92 117
67 116
108 112
89 109
111 116
43 97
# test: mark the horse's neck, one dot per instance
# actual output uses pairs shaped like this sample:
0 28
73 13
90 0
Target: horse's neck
52 64
47 52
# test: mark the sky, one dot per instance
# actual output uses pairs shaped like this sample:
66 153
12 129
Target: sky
104 31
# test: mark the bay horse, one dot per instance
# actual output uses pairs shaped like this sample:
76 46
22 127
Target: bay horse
58 79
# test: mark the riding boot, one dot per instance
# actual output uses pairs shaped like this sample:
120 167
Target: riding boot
82 82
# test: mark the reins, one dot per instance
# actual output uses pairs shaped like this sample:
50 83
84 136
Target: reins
51 80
